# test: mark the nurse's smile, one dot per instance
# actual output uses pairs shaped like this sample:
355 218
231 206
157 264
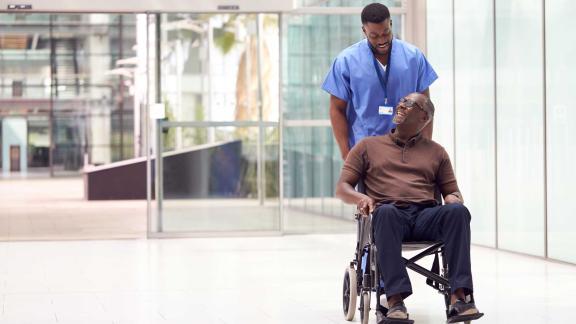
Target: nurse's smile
384 46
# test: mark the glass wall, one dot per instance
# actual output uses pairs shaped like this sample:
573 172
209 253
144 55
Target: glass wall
312 161
439 41
461 48
520 125
217 186
64 74
474 114
67 114
561 149
528 57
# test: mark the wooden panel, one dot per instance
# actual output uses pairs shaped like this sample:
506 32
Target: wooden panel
15 158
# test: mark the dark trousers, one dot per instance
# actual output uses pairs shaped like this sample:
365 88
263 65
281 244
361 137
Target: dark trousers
447 223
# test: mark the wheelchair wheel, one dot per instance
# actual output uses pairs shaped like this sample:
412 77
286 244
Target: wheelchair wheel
349 293
365 307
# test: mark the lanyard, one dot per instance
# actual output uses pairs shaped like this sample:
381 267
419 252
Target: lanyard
384 80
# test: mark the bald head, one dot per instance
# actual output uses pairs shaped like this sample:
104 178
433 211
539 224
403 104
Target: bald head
423 102
413 113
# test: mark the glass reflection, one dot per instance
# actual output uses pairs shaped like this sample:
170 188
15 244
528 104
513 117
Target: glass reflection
67 76
221 185
221 67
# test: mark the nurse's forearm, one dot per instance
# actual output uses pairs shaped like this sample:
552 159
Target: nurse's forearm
339 124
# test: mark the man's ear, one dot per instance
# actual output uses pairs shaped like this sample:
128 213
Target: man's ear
364 31
425 118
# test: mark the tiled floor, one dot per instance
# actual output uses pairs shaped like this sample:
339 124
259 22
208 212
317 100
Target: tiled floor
55 209
290 279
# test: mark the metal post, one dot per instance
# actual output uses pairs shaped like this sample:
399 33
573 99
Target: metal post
280 129
260 150
496 243
545 124
51 112
147 147
159 127
121 87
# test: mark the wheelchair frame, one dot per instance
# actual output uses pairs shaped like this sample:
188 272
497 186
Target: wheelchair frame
367 280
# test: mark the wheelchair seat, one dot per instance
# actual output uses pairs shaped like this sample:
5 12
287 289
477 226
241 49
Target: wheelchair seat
417 245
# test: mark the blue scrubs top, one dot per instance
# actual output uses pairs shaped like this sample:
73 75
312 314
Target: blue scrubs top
353 78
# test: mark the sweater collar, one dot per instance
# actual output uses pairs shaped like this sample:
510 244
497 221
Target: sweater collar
410 142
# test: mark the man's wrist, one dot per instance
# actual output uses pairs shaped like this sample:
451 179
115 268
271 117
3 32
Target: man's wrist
457 195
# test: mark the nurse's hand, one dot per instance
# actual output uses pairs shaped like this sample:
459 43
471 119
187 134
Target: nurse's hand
365 205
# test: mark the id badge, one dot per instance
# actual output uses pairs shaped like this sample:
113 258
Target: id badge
385 110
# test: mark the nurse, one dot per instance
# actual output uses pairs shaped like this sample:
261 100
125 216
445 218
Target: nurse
368 79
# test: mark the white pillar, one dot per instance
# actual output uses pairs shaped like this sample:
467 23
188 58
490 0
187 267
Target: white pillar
100 120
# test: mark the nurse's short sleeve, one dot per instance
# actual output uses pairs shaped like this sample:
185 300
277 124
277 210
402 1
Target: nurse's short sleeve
426 74
337 82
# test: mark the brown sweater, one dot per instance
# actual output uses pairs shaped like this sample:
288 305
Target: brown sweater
400 173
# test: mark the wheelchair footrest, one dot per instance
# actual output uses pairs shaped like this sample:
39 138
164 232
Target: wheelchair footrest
464 318
386 320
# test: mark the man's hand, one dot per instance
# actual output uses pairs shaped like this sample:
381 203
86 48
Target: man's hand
454 198
365 205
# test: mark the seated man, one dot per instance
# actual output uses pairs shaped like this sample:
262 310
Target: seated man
401 171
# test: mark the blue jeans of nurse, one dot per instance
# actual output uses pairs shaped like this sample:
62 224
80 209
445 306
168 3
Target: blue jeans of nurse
447 223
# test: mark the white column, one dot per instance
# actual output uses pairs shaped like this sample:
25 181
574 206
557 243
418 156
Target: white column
100 120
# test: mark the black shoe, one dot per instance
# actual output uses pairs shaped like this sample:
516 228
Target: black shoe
462 311
397 314
398 311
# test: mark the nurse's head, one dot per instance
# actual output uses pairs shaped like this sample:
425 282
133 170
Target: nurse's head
377 26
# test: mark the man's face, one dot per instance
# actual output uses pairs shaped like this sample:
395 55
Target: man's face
379 35
409 111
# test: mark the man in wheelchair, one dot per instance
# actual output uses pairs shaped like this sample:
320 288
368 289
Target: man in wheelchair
401 172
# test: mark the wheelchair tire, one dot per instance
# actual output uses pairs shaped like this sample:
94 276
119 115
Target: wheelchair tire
349 293
365 307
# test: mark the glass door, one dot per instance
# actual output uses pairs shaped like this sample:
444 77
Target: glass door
217 146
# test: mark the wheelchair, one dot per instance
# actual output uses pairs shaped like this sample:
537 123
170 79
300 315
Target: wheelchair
361 276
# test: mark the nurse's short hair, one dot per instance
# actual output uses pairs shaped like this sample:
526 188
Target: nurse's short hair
374 13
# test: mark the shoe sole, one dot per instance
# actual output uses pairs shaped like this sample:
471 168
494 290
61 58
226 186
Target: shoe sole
396 316
469 312
464 318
